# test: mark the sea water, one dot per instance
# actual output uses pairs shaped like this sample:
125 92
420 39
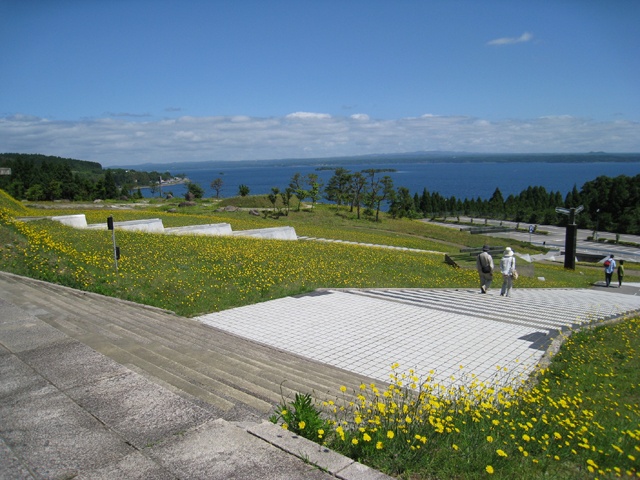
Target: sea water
460 180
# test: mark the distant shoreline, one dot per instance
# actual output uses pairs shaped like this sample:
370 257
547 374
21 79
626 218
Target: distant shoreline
168 183
417 157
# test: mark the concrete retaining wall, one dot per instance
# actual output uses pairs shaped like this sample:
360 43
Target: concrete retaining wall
210 229
152 225
276 233
76 221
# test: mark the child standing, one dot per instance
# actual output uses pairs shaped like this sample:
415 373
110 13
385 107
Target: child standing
620 273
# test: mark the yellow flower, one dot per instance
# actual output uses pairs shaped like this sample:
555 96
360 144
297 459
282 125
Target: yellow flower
354 441
455 447
379 446
390 434
302 424
489 469
489 438
502 453
343 389
366 437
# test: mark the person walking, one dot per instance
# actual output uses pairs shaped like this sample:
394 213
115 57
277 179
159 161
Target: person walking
484 264
620 273
507 268
609 268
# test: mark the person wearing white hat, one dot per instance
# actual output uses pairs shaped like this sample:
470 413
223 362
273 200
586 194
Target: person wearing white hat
507 268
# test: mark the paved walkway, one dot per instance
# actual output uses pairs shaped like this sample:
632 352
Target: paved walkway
95 387
554 238
366 331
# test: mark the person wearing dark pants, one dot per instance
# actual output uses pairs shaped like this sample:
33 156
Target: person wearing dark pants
620 273
609 268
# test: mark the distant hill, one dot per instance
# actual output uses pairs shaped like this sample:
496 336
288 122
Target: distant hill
407 157
77 166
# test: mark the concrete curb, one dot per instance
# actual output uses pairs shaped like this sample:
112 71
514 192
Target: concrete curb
338 465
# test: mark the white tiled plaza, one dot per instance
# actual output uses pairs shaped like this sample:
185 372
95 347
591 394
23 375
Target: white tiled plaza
366 331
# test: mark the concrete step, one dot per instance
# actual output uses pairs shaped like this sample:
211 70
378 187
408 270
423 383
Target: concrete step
200 361
555 309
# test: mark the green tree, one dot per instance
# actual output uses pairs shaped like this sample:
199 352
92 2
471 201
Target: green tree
403 204
358 189
338 188
195 190
314 188
110 188
273 197
385 193
496 204
297 185
286 198
243 190
216 184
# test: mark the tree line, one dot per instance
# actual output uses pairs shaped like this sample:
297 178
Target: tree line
610 204
40 177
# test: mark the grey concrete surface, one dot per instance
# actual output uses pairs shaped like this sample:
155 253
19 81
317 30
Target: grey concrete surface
67 411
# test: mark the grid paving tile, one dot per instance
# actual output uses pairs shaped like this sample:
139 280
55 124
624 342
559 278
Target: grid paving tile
454 332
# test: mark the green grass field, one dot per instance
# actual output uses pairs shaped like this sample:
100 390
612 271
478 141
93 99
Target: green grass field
581 420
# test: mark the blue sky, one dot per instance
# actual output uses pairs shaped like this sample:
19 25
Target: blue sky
129 82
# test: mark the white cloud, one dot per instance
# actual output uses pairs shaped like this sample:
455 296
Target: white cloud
129 142
309 115
525 37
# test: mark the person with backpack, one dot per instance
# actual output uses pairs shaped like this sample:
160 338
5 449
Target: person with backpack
609 268
620 273
484 264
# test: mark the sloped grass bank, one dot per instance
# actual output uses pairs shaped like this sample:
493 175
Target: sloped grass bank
580 420
191 275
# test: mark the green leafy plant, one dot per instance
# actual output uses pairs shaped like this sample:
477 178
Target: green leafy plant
301 417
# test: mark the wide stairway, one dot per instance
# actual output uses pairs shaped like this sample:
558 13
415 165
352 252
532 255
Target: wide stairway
234 378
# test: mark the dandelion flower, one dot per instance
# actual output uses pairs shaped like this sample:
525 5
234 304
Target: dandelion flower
390 434
302 424
489 469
